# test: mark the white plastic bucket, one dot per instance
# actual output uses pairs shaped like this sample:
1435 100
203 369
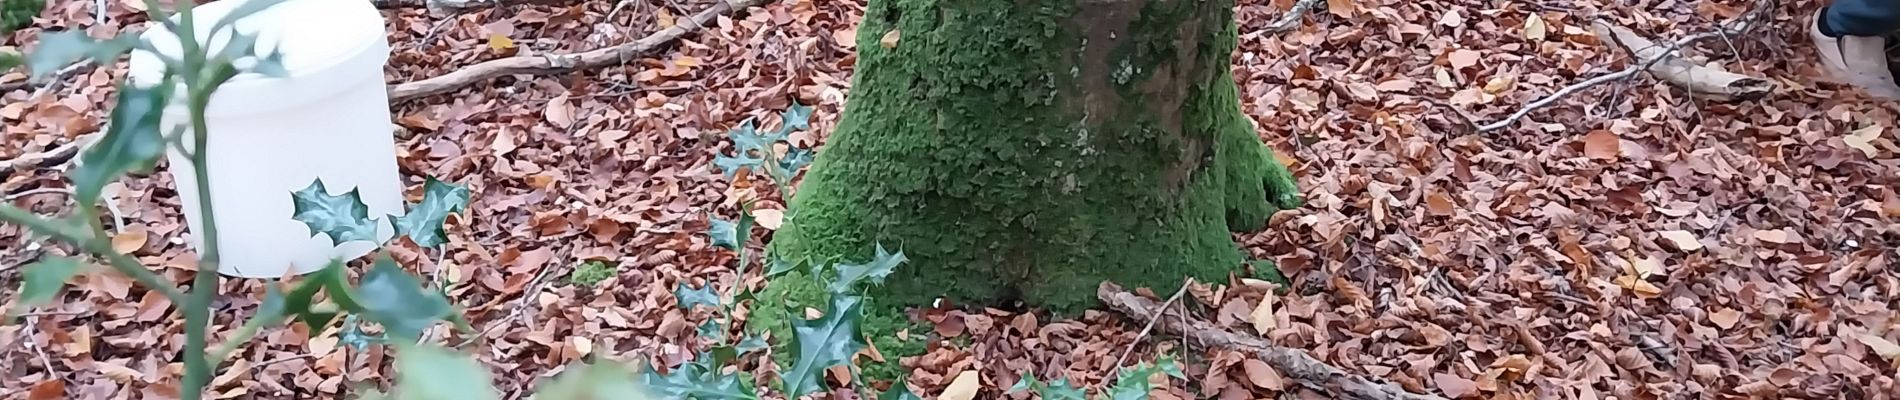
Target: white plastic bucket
268 137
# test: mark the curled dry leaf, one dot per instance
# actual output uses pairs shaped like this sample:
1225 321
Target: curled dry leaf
1886 349
1681 240
1262 316
964 387
889 41
769 218
130 241
1863 139
1725 318
1602 144
1262 375
1455 386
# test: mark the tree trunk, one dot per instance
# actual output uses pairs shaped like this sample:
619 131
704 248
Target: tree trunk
1030 149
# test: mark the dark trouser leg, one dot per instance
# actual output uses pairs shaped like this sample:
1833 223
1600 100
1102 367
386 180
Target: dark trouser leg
1861 17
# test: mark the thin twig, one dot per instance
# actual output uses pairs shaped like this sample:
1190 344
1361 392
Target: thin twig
1152 319
562 63
1739 25
45 362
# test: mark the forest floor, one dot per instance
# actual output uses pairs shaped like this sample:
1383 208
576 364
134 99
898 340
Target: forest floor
1629 241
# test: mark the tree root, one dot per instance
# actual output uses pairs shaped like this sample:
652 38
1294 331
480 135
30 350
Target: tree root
563 63
1293 363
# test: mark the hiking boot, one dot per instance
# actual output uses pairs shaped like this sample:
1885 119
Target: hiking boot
1861 61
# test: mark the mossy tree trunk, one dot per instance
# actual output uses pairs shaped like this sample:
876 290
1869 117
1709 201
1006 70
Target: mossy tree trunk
1030 149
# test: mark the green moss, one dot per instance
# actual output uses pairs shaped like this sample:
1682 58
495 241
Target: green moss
591 273
998 148
16 14
788 295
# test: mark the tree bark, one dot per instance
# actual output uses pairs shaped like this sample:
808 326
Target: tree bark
1031 149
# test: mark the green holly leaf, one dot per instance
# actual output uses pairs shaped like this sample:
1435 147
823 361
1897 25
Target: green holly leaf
1132 383
1061 389
590 381
746 138
41 282
423 223
796 118
711 330
875 271
298 302
1166 365
62 48
900 391
723 233
1027 382
397 300
823 343
429 372
731 165
752 343
10 60
685 383
776 266
131 143
343 217
793 160
689 297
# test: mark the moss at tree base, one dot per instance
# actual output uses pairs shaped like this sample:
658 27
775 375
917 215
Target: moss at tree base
1025 151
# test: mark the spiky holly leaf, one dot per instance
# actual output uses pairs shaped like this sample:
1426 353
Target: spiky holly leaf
132 141
776 266
687 383
875 271
1133 383
299 301
689 297
429 372
423 223
823 343
397 300
747 139
732 165
751 343
343 217
796 118
793 160
41 281
62 48
723 233
712 330
1061 389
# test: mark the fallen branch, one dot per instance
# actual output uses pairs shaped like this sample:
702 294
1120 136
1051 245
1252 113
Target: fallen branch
1293 363
1707 82
56 156
1291 19
562 63
1664 63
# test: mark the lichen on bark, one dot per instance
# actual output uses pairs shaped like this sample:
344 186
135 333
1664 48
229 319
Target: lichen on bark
1023 151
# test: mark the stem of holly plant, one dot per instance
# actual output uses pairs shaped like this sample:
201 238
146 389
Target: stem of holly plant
96 245
200 80
242 336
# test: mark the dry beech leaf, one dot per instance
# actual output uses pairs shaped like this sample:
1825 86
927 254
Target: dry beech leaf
1534 27
559 112
1455 386
1262 375
1602 145
1776 236
964 387
1397 85
1863 139
1462 58
1342 8
1725 317
130 241
1262 316
1881 346
889 41
1681 240
1440 205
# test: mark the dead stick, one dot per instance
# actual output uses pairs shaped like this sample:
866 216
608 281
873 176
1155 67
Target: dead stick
1291 19
1739 25
1152 319
1293 363
561 63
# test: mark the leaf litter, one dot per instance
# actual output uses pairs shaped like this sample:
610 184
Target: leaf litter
1633 242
